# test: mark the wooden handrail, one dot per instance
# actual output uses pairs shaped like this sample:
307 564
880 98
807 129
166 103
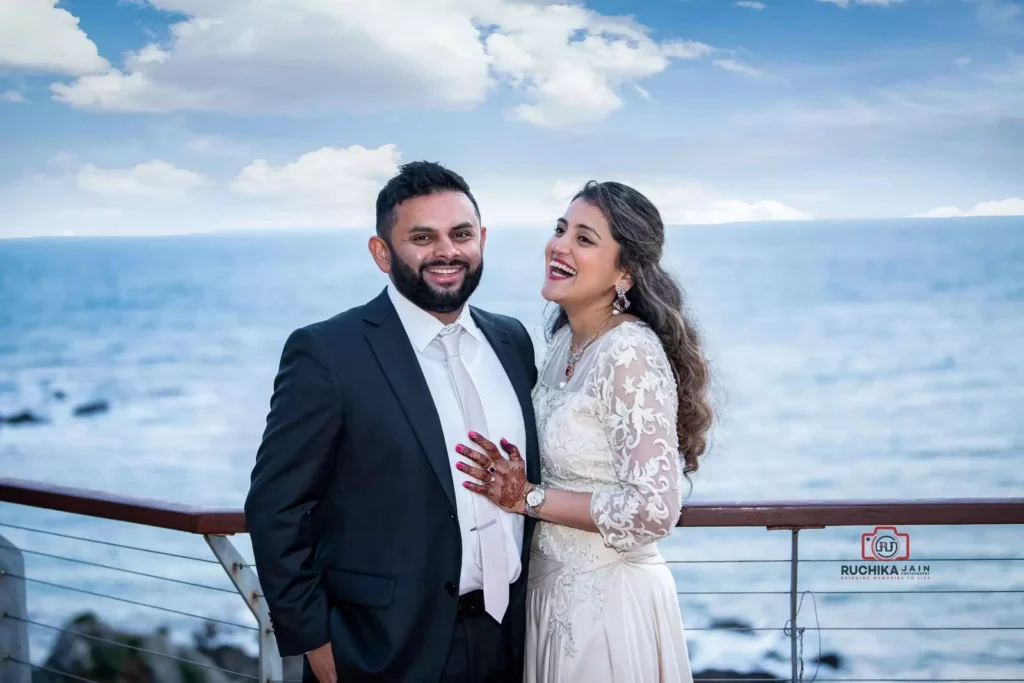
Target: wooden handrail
787 514
156 513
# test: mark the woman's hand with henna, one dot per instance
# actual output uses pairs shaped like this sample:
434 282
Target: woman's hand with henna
502 480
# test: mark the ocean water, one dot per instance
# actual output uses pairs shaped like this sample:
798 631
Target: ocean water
876 360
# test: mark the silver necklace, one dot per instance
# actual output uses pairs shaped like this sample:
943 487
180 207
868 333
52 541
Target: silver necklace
574 356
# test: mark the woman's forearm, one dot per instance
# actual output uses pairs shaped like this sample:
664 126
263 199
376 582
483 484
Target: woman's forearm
567 508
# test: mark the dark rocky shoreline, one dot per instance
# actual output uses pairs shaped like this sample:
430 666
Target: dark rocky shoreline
92 649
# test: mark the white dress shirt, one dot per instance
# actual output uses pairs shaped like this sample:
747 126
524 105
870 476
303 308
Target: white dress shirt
502 410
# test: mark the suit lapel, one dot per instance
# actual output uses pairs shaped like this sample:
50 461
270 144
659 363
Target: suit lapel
390 343
502 345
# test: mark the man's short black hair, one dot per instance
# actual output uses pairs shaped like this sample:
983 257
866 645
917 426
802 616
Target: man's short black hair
416 179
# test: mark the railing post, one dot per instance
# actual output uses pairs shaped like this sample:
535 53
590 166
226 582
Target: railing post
794 632
248 585
794 561
13 613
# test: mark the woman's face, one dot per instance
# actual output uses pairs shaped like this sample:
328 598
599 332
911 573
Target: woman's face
581 259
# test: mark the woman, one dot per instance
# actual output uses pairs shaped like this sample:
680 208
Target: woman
622 413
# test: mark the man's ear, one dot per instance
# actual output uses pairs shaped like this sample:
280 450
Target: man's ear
483 238
381 253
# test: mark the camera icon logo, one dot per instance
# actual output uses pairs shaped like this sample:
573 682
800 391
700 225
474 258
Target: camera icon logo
885 544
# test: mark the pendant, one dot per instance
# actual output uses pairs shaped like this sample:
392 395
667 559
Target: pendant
568 371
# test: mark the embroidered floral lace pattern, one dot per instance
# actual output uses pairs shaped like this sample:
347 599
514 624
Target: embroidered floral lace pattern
638 407
573 586
611 431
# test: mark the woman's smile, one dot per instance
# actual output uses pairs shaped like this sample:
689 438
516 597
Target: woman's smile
560 270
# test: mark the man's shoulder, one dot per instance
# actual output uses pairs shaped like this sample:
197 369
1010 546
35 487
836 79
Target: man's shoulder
515 329
338 328
339 323
506 323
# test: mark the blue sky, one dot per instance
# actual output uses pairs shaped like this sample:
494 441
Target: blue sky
171 116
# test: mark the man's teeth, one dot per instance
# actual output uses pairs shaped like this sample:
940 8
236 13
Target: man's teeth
565 270
445 271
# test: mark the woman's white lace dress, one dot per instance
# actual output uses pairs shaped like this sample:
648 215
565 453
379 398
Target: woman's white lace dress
602 607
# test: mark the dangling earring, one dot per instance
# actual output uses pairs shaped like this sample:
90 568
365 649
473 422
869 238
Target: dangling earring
621 302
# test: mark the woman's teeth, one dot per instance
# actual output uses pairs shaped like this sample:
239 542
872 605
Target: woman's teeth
561 269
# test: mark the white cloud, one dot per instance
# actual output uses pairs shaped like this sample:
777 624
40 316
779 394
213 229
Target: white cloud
519 204
685 203
150 180
523 203
342 181
330 187
879 3
962 61
65 161
736 66
12 97
566 63
980 95
1011 206
325 188
751 4
337 187
37 36
1001 16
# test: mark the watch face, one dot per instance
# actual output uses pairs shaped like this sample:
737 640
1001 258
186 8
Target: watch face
535 497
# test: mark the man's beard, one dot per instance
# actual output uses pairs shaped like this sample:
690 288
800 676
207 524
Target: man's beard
415 288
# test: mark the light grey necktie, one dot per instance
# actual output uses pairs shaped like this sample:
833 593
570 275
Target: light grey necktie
493 559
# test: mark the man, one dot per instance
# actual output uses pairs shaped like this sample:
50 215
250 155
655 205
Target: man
376 563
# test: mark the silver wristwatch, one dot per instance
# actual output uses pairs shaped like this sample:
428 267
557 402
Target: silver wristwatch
534 499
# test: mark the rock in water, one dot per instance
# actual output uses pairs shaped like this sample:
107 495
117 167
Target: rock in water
24 417
88 648
719 675
733 624
91 408
206 640
92 650
831 660
161 667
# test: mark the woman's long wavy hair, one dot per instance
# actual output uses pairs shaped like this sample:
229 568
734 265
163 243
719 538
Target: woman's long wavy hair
656 299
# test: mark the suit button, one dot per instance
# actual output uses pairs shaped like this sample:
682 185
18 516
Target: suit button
451 515
451 588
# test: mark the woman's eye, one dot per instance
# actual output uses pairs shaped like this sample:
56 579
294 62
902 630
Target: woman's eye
584 240
559 229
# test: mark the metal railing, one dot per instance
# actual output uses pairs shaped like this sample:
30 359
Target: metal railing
217 526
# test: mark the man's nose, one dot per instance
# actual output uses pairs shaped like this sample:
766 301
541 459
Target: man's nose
445 248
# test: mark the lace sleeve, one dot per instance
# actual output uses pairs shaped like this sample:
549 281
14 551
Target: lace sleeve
637 394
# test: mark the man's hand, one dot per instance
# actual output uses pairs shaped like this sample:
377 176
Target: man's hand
321 661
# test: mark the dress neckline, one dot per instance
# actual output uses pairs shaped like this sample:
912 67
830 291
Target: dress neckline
560 349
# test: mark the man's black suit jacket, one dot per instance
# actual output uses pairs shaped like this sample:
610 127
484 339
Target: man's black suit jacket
351 509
